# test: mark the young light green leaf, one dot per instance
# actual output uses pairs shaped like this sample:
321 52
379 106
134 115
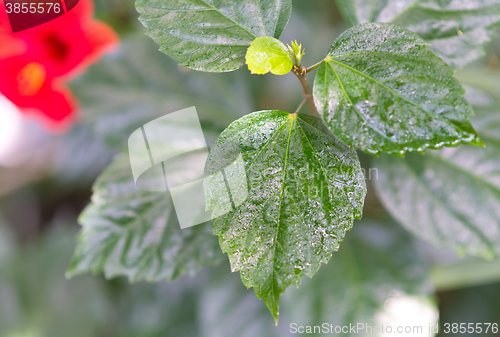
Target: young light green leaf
382 90
450 198
211 35
267 54
456 30
304 190
136 234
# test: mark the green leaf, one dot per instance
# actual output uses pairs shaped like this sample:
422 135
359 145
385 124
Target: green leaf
267 54
378 260
136 234
456 30
304 190
138 84
450 198
211 35
382 90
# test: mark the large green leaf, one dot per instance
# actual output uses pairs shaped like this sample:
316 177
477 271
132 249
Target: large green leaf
304 190
382 90
212 35
457 30
452 197
138 84
136 234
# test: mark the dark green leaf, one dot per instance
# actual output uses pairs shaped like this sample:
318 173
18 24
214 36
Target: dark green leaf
304 190
377 261
212 35
456 30
452 197
382 90
135 233
138 84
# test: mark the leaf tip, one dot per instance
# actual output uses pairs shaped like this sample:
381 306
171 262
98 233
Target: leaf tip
478 142
275 312
272 302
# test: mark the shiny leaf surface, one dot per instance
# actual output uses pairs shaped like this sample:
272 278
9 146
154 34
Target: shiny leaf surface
381 89
212 35
451 197
304 190
377 261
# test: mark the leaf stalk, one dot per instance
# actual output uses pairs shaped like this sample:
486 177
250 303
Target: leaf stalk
314 66
301 74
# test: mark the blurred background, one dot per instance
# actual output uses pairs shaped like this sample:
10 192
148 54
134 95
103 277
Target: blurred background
382 274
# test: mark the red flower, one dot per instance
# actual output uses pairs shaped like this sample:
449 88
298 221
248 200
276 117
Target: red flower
35 63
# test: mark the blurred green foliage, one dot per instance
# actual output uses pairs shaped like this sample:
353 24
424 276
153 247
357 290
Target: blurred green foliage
38 226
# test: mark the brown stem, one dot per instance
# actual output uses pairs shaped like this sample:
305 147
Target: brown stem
301 73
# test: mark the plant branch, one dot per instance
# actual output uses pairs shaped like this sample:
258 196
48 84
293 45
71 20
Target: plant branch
301 105
301 73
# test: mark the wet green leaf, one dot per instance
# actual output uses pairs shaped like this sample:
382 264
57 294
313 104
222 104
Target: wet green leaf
456 30
267 54
381 89
136 234
451 198
304 190
212 35
378 260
